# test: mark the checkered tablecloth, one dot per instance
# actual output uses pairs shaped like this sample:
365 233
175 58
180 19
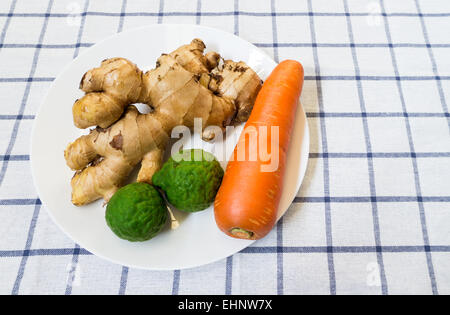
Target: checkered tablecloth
373 213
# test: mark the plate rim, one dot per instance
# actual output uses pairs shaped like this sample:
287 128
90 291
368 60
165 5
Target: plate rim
306 139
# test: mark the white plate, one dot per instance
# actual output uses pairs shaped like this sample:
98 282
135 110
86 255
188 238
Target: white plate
197 241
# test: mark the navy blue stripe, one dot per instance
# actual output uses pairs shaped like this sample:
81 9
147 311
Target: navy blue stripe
280 260
228 13
42 252
122 16
415 167
29 79
123 281
24 98
373 114
19 202
251 250
413 159
348 45
326 173
236 17
308 114
229 275
256 249
46 46
274 32
345 249
280 273
325 199
176 282
14 157
73 270
337 155
124 275
76 251
261 45
80 31
376 78
25 253
14 117
199 12
307 78
433 62
10 147
229 262
7 23
373 192
176 273
381 155
161 12
362 199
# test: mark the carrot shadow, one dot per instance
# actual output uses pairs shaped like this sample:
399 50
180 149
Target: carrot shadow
310 103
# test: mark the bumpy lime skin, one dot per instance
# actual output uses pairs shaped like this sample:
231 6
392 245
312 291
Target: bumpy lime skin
136 212
191 185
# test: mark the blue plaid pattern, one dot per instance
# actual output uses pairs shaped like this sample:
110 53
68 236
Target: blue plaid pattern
372 214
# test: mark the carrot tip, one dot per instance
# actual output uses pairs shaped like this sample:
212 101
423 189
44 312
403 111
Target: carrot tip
241 233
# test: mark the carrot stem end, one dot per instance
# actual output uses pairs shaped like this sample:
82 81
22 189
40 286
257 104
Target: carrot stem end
241 233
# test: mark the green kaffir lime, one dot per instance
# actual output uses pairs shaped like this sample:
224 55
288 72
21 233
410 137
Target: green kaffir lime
136 212
190 179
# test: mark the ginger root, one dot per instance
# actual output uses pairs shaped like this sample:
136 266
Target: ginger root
185 84
118 82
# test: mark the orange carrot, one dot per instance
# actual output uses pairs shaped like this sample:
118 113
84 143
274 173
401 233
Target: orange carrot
247 202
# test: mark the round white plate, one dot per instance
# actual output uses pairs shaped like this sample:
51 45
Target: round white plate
197 241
